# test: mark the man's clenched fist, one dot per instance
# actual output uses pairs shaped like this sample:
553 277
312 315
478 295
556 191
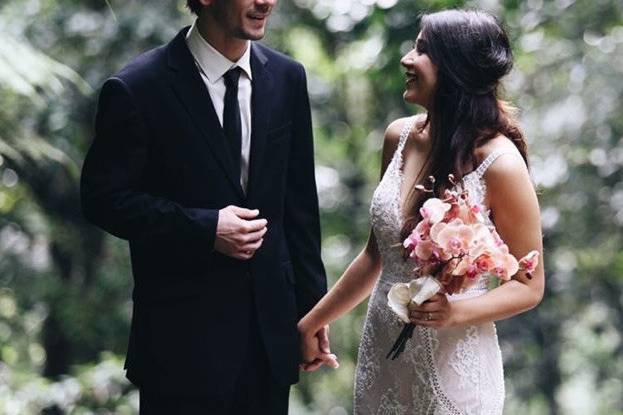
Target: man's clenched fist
238 233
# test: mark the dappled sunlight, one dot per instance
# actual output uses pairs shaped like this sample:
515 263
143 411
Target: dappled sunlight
65 296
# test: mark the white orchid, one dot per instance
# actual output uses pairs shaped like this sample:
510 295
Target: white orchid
398 298
417 291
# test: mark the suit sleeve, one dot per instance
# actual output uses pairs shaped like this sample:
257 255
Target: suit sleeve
301 221
112 186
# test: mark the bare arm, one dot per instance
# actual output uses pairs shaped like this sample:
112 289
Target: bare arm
352 288
515 211
357 282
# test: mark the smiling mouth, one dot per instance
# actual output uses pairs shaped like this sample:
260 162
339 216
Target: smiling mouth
259 17
411 77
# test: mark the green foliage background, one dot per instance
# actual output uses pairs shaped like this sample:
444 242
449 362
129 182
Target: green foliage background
65 287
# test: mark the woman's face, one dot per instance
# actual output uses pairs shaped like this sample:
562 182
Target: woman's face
421 75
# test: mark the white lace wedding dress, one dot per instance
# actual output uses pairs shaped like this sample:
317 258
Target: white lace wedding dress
453 371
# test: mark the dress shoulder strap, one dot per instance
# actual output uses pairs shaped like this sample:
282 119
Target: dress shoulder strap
396 162
488 161
406 130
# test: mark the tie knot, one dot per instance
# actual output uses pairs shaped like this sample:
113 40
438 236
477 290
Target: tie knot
231 77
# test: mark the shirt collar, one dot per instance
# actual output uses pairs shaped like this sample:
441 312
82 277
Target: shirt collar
213 63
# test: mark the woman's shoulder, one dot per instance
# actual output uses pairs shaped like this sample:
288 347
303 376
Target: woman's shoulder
395 128
508 183
391 138
504 159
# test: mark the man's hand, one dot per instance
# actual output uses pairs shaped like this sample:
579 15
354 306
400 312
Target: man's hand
316 352
238 233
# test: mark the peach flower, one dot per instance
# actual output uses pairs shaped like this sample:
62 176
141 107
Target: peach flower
529 262
434 210
455 238
506 265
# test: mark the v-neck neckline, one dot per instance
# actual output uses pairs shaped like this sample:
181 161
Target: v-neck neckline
400 170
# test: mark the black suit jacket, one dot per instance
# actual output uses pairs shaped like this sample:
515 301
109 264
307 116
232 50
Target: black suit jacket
157 174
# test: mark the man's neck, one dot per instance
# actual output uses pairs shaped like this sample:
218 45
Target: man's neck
230 47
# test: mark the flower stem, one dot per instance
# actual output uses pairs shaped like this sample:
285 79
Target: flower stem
401 341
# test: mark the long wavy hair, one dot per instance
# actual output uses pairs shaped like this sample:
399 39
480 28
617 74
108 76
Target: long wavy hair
472 54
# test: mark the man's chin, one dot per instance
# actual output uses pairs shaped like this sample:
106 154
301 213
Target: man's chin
255 34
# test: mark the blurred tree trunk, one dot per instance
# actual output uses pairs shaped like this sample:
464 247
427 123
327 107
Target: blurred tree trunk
547 335
76 252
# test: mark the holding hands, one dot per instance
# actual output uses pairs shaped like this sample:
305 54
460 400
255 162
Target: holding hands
239 234
315 350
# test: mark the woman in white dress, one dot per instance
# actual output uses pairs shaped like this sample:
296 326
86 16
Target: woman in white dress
452 364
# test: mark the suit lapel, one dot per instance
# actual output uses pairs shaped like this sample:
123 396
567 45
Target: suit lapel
191 90
260 114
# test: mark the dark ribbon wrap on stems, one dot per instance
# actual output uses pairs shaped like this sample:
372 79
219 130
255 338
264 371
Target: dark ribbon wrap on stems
400 296
401 341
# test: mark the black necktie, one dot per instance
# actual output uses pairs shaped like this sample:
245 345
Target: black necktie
231 117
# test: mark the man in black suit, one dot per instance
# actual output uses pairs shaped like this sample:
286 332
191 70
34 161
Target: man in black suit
203 161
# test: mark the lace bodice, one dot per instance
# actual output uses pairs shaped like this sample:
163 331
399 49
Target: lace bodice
387 216
447 371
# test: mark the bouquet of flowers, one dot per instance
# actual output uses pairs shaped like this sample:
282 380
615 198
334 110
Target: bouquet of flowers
451 247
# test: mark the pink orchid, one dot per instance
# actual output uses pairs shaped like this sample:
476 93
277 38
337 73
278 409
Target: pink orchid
451 282
451 196
454 243
418 235
476 210
529 262
411 242
455 246
496 237
453 213
463 212
484 263
469 278
463 267
482 237
506 265
423 230
455 238
472 272
434 210
435 229
424 250
452 199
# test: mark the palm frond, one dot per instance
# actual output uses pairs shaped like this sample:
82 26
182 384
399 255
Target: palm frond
25 70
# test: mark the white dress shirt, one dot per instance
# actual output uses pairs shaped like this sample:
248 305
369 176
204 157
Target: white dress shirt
212 66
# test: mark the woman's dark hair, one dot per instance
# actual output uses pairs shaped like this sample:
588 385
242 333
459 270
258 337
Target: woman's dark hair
472 53
194 6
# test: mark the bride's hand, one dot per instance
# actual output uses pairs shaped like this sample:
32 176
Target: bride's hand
436 312
315 350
